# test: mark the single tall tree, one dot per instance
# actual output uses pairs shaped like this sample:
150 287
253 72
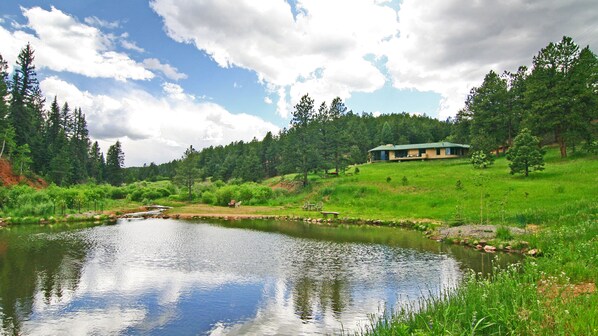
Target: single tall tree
187 171
115 160
7 143
303 140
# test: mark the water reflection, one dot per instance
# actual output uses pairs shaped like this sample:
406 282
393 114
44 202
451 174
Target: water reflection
173 277
39 267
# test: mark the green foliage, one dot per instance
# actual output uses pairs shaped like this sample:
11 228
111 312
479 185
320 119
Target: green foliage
481 160
526 154
209 197
503 233
187 171
115 160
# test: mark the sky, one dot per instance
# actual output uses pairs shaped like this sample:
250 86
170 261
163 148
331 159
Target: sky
162 75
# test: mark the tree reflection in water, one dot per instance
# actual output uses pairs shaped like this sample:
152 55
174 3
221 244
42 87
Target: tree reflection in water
32 265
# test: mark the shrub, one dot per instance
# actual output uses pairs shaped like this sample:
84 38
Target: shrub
208 197
225 194
481 160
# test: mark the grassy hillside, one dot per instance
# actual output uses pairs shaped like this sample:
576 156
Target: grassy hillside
452 190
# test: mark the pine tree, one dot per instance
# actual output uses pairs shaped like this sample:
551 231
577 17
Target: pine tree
187 171
96 164
385 134
488 106
7 142
79 144
526 154
26 105
115 159
302 151
25 91
550 91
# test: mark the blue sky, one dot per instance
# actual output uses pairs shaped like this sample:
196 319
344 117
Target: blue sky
161 75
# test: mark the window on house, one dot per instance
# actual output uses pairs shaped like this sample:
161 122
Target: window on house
437 151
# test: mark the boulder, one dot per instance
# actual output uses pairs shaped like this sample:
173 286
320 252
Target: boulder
489 248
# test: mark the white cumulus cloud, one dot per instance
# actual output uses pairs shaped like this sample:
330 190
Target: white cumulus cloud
321 50
64 44
156 128
447 46
168 70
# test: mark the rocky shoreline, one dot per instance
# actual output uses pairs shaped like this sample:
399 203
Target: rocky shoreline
480 237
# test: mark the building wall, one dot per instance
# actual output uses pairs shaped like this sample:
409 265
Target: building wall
430 153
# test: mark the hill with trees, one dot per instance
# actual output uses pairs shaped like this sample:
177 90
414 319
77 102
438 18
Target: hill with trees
53 144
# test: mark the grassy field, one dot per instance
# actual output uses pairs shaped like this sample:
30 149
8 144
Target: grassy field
449 190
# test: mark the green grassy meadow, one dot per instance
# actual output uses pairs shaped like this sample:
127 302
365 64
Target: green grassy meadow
449 190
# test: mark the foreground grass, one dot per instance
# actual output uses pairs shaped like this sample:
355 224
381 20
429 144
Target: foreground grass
552 295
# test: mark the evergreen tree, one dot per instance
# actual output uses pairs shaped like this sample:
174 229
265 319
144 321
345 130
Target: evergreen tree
386 136
96 163
26 105
187 171
488 107
79 144
21 159
302 139
115 159
526 154
7 142
516 103
269 155
550 92
61 167
338 138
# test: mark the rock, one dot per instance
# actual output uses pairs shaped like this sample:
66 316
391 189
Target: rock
483 242
533 252
97 217
489 248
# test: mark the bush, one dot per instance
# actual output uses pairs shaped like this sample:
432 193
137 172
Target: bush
481 160
225 194
208 197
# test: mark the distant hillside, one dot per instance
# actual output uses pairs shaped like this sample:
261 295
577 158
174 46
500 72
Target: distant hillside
9 178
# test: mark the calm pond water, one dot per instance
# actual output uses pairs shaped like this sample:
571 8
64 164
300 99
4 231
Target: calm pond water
186 278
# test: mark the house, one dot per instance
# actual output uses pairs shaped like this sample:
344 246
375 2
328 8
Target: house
434 150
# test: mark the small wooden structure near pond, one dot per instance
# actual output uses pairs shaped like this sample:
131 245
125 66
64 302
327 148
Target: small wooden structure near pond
326 213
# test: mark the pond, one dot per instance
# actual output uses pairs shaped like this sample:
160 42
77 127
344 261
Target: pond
160 276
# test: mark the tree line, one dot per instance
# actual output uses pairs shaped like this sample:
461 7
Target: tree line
52 143
326 139
557 100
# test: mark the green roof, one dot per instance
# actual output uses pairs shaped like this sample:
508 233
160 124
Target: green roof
419 146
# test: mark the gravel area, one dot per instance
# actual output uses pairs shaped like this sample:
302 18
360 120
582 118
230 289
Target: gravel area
475 231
